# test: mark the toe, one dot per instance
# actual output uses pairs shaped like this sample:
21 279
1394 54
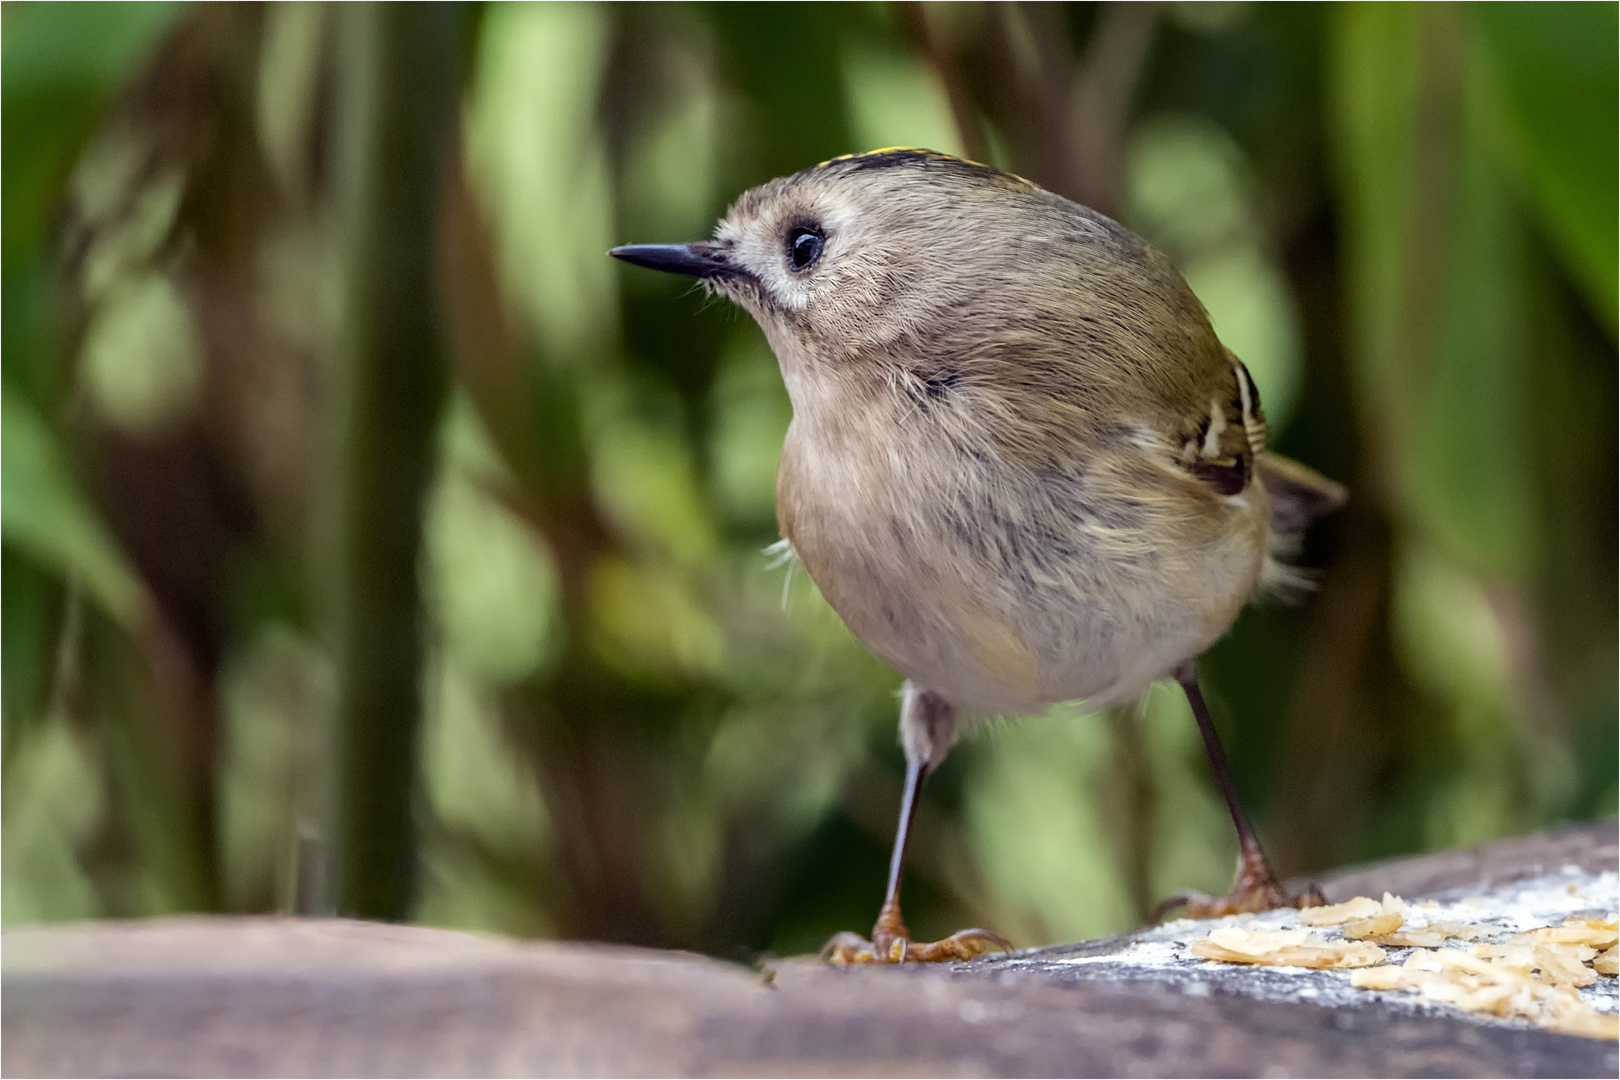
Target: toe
1180 899
962 945
848 948
1204 906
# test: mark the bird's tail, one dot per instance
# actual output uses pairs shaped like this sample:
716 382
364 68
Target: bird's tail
1297 495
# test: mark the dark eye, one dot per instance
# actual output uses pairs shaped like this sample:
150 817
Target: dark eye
804 247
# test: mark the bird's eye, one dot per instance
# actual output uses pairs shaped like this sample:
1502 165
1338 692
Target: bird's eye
804 247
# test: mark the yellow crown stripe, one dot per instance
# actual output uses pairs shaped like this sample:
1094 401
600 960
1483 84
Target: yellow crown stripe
920 152
891 150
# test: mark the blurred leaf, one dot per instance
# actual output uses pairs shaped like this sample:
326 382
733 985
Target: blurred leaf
1035 820
172 868
896 100
1456 372
1557 79
667 180
1434 275
58 63
650 624
784 58
1470 470
1443 623
493 586
274 697
126 242
53 802
44 513
1192 838
143 358
1374 74
646 484
31 609
540 167
476 782
1186 187
31 332
483 792
751 415
289 81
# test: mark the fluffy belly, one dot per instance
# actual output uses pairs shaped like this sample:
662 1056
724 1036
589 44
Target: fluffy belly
988 646
1005 597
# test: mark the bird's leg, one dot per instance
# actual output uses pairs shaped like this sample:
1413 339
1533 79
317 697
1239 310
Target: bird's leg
891 942
1256 888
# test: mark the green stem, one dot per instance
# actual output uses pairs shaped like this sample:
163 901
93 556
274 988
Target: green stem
400 81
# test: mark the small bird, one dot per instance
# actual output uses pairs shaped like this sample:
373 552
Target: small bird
1022 468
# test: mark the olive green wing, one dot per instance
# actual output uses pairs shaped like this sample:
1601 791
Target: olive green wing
1225 447
1220 440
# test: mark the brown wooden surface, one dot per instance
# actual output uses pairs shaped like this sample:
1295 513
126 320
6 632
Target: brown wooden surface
1592 847
264 997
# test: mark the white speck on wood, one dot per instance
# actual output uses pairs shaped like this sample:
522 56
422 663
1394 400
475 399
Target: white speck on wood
1161 953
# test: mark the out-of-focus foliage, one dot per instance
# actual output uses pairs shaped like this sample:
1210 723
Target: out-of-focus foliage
636 727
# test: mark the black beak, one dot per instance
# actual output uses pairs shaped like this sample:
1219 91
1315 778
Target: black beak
704 259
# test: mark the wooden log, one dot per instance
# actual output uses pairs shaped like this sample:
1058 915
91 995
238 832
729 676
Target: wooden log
1591 847
294 997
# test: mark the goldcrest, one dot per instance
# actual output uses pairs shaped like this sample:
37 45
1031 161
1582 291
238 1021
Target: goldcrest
1022 468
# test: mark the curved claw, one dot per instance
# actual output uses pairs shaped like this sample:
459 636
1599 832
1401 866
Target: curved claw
1173 901
1203 906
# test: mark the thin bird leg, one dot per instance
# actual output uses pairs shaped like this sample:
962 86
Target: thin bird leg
891 942
1256 888
890 930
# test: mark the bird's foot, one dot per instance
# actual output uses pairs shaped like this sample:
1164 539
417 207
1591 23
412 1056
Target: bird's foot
1256 889
891 944
1239 902
851 948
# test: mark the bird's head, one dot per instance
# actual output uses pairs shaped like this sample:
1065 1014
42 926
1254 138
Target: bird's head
847 258
914 270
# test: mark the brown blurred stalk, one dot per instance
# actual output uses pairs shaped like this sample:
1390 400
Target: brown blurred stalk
1063 114
400 79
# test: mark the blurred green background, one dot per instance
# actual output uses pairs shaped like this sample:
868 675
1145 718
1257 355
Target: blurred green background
373 543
